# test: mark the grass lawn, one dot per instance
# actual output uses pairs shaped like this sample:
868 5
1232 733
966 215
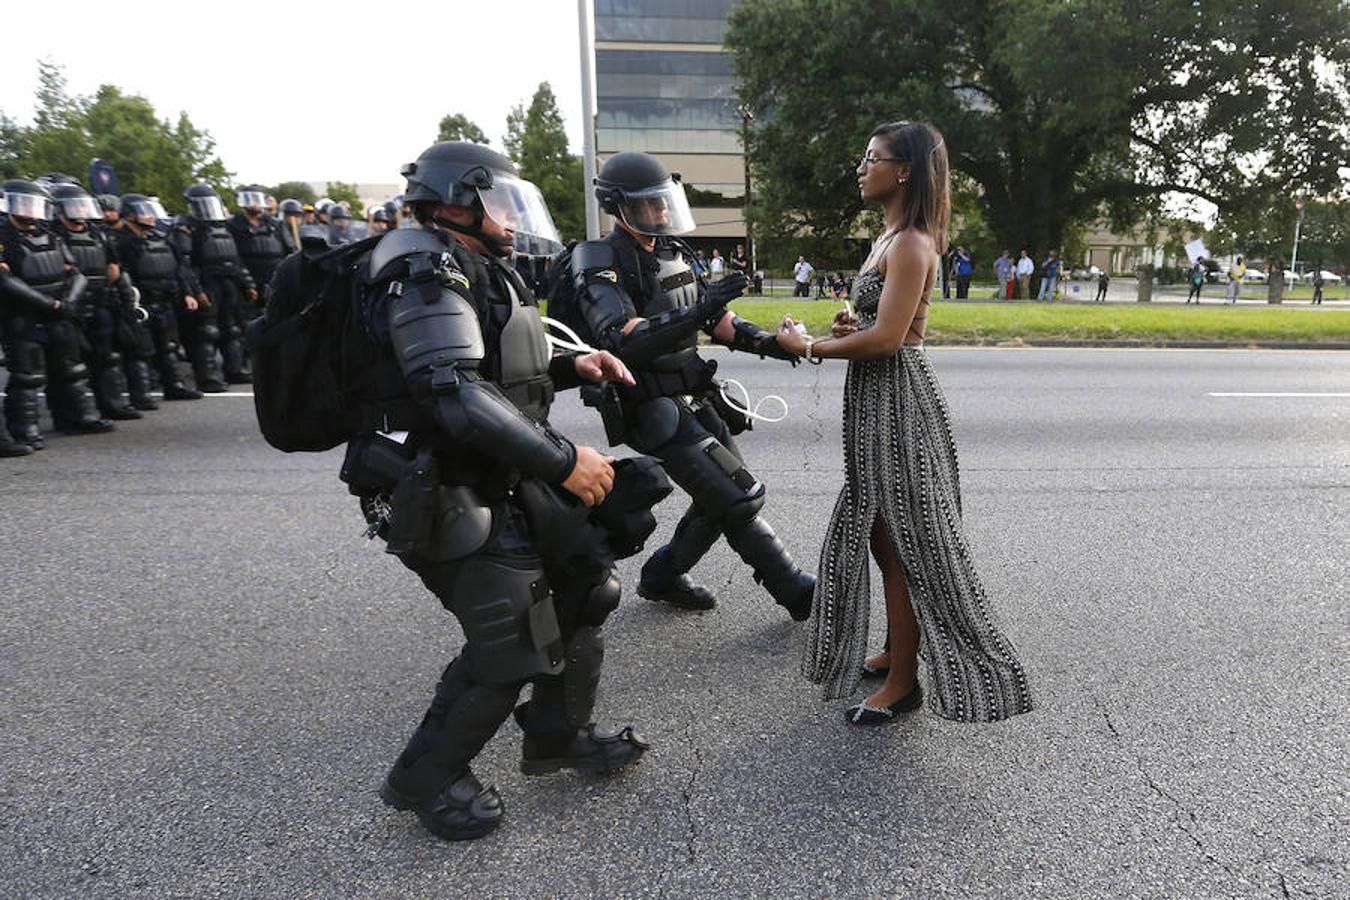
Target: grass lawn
991 322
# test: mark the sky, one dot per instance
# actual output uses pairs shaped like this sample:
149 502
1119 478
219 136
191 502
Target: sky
297 91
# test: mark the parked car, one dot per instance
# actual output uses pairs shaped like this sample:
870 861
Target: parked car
1082 274
1255 276
1292 277
1331 277
1214 273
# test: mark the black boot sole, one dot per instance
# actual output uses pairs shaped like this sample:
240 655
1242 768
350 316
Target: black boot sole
395 800
548 766
676 599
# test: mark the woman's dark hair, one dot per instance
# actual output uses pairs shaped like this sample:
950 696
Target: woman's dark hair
928 204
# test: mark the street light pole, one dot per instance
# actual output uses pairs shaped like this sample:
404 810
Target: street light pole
1298 228
746 118
588 121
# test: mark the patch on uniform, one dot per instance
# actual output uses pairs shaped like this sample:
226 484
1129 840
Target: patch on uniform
608 275
455 276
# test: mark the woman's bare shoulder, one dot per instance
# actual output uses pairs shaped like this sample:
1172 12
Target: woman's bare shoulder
911 247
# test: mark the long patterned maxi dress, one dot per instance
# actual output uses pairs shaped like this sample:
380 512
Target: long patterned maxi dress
900 463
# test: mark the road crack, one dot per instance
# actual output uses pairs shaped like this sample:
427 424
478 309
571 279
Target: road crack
1187 815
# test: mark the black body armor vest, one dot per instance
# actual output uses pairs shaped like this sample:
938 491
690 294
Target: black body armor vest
91 255
258 245
154 265
38 258
213 249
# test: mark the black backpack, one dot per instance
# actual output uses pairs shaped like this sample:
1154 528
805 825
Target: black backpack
561 291
299 352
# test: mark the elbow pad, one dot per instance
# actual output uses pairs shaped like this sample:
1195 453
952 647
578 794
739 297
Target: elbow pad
604 305
750 338
431 322
660 335
14 288
476 413
75 287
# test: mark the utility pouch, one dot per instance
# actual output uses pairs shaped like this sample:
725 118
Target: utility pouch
737 421
414 504
374 465
605 398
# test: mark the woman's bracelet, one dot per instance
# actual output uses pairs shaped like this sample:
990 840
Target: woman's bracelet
809 354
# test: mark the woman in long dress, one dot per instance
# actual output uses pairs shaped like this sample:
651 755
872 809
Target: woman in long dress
901 493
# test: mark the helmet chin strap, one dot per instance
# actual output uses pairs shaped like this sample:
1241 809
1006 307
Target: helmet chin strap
498 245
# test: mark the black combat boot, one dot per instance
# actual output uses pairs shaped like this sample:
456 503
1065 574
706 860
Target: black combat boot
462 811
660 583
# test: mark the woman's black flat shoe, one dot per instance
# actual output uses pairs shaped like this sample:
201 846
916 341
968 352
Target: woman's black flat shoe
879 672
862 714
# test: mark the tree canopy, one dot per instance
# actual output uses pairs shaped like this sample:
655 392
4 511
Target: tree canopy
537 142
150 155
457 127
1060 112
294 190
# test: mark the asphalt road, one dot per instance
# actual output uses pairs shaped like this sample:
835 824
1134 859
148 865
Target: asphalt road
205 670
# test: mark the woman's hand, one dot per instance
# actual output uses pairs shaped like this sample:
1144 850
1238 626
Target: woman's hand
844 324
789 339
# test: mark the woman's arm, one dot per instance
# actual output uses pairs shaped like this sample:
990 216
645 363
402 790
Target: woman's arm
907 263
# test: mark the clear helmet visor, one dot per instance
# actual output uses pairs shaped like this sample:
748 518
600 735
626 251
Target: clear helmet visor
28 206
516 204
658 210
74 208
157 210
250 200
209 209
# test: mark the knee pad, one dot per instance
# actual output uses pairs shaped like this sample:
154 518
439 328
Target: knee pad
113 358
654 423
234 332
717 481
510 625
210 333
600 601
31 381
75 372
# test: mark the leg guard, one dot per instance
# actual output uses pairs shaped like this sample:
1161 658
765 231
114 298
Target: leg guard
27 376
110 389
9 446
462 718
755 542
504 606
138 385
69 398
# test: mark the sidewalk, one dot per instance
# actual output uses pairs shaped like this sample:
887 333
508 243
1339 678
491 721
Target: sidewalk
1125 290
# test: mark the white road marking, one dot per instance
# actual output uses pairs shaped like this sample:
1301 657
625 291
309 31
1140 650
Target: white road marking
1279 394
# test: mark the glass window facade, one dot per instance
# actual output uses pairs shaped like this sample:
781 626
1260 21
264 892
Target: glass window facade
662 21
666 101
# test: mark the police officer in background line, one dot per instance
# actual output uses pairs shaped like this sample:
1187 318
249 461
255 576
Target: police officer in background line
104 300
457 360
41 290
259 238
292 217
202 238
640 299
166 283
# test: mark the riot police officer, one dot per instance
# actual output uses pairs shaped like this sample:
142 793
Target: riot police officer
292 217
380 221
202 238
339 225
108 204
259 238
165 283
42 290
456 385
107 299
641 300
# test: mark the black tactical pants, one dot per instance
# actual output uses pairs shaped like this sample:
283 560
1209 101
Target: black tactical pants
698 453
232 312
166 345
45 354
200 334
103 336
523 621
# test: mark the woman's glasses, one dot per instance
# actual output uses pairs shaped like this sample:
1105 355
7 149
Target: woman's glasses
869 160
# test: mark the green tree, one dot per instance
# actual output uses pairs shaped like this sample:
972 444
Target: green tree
1060 112
537 141
149 155
294 190
342 191
457 127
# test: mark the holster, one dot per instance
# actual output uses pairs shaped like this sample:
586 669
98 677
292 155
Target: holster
605 398
435 521
737 421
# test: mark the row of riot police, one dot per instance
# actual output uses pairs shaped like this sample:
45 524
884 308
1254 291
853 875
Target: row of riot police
510 524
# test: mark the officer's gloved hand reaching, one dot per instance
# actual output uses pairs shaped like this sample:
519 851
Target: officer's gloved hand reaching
719 293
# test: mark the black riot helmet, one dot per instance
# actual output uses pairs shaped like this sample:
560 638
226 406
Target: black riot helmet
462 173
139 209
291 208
204 203
380 215
73 203
26 200
636 189
108 202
